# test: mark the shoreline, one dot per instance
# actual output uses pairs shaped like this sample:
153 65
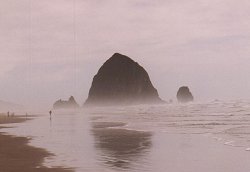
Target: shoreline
17 155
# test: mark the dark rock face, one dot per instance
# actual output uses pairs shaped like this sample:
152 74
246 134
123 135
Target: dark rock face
70 104
184 95
122 81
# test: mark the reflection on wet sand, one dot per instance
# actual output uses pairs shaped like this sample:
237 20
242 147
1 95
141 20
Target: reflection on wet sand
120 148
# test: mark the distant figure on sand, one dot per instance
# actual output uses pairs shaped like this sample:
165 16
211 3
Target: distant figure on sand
8 114
50 112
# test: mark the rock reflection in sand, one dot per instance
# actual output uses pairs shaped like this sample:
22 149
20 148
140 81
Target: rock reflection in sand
120 148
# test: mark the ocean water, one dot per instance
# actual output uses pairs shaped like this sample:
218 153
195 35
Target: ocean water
205 137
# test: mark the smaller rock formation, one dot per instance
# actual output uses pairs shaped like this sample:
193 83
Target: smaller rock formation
184 95
62 104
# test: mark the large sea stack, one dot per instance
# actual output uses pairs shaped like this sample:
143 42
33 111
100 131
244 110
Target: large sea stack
64 104
122 81
184 95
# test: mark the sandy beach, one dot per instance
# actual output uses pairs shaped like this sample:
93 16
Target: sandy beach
17 155
196 137
6 120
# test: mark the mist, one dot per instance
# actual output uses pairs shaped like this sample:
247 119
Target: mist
51 49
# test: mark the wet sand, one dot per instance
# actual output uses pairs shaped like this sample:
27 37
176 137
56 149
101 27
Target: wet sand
6 120
17 155
120 148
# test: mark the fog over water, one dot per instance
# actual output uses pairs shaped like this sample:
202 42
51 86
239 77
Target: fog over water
51 49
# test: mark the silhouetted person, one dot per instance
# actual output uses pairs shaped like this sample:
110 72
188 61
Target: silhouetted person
50 112
8 114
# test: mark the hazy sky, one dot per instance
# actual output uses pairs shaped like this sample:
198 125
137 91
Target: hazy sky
51 49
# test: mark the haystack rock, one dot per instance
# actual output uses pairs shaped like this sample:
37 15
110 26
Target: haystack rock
184 95
62 104
122 81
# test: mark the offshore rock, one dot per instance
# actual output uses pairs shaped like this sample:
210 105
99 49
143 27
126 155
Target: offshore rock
184 95
122 81
70 104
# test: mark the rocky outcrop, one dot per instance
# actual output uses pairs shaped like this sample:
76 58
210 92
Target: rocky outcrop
122 81
62 104
184 95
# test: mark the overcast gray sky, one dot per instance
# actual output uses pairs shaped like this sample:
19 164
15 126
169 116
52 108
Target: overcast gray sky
51 49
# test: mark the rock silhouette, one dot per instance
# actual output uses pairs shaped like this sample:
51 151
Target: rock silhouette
62 104
184 95
122 81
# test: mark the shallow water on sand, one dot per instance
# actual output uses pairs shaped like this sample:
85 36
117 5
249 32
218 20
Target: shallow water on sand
179 138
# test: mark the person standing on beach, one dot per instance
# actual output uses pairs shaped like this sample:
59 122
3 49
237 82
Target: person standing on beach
50 112
8 113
